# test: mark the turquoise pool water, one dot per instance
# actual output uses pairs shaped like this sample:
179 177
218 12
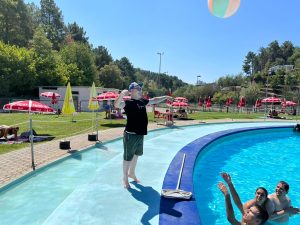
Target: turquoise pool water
253 159
87 188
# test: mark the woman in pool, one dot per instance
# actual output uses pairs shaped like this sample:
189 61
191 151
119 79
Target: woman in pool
256 215
260 198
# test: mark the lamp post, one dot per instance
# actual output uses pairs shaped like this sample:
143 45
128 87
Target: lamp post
267 85
198 80
159 68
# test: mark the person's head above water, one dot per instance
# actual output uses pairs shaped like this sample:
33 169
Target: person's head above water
261 195
256 215
135 90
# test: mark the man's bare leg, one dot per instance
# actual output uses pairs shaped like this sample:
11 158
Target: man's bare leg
126 165
131 173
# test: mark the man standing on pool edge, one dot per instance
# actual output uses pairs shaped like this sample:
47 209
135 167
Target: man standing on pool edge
136 127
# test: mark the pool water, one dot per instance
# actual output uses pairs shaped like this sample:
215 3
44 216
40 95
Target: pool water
253 159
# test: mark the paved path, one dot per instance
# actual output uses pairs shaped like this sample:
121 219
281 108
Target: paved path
18 163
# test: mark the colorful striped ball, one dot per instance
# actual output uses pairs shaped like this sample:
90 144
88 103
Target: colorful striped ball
223 8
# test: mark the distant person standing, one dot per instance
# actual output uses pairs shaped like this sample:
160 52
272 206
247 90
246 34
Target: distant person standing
136 127
107 110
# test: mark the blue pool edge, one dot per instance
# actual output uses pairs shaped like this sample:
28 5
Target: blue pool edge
174 211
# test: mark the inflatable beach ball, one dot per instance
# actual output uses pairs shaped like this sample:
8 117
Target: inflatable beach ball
223 8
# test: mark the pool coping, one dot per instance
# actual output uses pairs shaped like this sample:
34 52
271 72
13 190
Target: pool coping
174 211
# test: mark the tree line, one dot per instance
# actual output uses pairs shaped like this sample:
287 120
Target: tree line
38 49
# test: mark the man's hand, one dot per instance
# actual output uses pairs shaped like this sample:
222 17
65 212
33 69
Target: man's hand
226 177
125 92
223 188
293 211
169 98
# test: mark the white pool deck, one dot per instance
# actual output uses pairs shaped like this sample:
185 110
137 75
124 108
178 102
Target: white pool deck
104 200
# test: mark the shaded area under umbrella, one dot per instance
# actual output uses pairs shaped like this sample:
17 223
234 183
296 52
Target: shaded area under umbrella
108 96
29 106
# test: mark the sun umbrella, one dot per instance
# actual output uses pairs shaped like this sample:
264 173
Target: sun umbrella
227 102
290 103
200 102
50 94
257 103
208 102
242 102
271 100
93 102
68 106
54 99
107 96
180 104
180 99
127 97
28 106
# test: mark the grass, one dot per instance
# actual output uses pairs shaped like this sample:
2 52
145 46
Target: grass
63 126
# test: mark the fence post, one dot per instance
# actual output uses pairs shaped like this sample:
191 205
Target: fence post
31 144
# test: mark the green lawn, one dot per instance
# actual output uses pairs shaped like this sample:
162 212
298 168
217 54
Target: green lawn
63 126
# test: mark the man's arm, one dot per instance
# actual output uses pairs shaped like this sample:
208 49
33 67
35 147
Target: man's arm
229 209
289 211
249 204
119 103
156 100
233 192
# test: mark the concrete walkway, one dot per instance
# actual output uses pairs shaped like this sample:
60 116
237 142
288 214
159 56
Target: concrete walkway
18 163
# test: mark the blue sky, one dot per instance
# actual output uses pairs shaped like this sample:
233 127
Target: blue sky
194 42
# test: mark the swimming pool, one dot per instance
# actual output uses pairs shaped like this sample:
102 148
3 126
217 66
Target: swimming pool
253 159
86 188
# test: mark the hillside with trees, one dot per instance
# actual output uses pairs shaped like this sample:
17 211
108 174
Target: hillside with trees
37 48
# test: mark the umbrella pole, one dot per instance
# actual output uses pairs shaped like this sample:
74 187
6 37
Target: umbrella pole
97 132
31 144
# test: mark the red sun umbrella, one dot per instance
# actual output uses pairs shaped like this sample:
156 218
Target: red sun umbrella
271 100
29 106
50 94
208 102
257 103
290 103
180 104
127 97
230 101
227 102
180 99
200 102
107 96
242 102
54 99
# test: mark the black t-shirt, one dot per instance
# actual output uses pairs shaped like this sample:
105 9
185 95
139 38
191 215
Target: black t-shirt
137 119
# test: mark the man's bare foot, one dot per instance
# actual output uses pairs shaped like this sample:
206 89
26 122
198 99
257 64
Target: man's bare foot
132 176
126 183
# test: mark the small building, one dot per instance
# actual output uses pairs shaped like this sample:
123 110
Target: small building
81 95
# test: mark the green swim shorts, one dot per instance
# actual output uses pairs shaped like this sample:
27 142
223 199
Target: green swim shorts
133 145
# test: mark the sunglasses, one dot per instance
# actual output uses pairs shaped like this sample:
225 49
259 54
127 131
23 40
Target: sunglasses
137 88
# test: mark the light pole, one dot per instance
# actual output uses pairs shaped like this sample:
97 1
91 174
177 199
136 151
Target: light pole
160 54
198 80
267 85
